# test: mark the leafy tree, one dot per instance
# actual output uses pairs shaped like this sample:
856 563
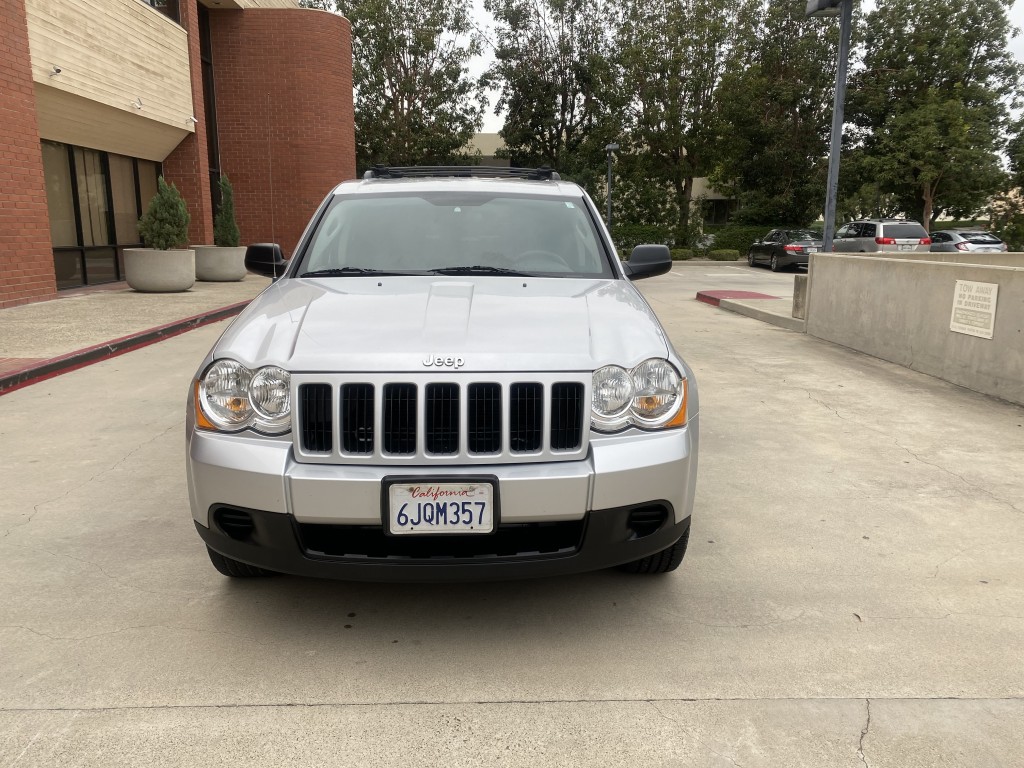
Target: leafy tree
553 71
164 225
932 99
225 228
671 56
776 111
415 103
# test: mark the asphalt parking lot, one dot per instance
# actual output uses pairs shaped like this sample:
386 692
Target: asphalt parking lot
853 594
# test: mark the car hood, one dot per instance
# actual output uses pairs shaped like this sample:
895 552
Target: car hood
380 324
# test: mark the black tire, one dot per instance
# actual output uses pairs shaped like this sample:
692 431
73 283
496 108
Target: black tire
775 263
750 258
665 561
234 568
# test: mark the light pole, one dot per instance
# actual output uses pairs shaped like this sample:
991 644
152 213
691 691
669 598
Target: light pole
843 9
609 149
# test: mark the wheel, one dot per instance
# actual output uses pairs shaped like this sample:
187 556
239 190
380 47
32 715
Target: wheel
775 263
750 258
665 561
234 568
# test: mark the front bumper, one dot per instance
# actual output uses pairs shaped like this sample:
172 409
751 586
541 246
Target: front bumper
278 543
598 494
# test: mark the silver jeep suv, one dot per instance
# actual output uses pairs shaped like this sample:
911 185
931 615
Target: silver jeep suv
452 378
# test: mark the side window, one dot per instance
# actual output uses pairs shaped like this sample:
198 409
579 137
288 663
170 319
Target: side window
769 238
867 230
844 231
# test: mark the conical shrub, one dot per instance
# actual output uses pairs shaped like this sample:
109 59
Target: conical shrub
225 228
164 225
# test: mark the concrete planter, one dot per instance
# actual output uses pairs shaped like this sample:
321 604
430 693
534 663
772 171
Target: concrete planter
151 271
219 265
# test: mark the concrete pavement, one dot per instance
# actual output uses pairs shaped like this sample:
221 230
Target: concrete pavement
79 327
852 595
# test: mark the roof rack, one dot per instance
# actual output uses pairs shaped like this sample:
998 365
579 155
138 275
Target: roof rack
469 171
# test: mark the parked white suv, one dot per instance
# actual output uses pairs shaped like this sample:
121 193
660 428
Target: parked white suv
874 235
453 377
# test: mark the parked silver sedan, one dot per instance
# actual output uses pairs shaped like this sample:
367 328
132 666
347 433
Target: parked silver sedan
952 240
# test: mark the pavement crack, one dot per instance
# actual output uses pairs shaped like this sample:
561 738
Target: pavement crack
703 743
864 734
958 476
121 630
79 486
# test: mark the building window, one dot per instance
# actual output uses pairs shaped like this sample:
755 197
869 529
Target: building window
95 200
168 8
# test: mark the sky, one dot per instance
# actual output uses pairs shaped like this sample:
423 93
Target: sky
493 123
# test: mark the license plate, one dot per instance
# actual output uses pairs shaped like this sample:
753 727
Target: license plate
906 247
445 508
813 250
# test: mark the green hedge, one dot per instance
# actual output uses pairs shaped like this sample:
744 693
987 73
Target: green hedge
681 254
724 254
738 237
628 236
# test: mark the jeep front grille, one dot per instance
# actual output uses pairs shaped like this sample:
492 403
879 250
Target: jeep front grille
315 404
457 420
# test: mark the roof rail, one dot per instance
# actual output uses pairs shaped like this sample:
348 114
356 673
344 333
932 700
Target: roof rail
470 171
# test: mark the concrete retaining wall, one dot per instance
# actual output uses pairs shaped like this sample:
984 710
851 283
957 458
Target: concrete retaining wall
1009 259
899 309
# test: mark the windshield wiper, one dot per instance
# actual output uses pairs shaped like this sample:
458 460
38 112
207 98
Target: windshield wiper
479 270
345 271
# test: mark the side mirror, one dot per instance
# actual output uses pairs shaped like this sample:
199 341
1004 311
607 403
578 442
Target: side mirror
265 259
648 261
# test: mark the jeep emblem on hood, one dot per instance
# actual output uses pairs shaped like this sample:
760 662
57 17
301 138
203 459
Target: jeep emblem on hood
445 362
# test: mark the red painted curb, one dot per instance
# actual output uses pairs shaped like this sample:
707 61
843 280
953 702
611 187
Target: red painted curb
72 361
715 297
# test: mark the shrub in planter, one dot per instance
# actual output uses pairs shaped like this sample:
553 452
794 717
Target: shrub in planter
681 254
164 225
225 228
162 266
224 261
724 254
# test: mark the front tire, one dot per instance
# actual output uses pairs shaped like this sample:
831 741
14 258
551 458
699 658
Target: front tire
665 561
234 568
750 258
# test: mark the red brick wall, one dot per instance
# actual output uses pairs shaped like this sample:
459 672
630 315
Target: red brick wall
283 80
188 166
26 257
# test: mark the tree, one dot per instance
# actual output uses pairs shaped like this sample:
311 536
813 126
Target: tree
553 71
932 100
671 55
415 103
225 227
164 225
776 107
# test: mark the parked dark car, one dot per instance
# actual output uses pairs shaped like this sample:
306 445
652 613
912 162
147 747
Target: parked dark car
782 248
953 240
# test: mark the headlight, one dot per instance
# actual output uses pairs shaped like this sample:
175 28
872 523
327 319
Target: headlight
651 396
613 392
657 389
230 397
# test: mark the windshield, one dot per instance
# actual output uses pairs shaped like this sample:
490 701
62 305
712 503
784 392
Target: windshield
456 233
980 238
904 231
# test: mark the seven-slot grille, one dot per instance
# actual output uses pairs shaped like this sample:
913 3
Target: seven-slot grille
521 420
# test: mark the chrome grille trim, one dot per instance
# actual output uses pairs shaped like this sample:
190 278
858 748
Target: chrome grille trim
463 455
